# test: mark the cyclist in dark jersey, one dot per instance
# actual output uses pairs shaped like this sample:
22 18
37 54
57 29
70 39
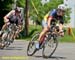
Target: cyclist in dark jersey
13 16
55 14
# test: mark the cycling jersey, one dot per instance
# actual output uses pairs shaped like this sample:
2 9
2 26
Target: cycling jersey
46 16
54 16
15 19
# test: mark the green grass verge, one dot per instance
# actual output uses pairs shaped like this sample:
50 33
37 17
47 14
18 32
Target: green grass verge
33 29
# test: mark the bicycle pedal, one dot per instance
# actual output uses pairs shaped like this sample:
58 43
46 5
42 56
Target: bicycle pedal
33 43
40 48
11 41
37 49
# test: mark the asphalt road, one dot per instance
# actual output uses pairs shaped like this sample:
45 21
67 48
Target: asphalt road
17 51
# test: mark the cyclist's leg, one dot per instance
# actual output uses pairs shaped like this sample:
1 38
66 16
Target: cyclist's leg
5 24
44 30
3 28
42 34
18 31
14 35
11 36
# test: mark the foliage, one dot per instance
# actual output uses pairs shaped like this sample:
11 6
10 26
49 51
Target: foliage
21 3
6 4
66 38
67 15
42 9
5 7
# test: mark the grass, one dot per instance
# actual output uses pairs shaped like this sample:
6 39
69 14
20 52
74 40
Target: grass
33 29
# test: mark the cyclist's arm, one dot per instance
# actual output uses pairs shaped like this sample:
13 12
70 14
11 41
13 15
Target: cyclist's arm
49 21
6 17
61 22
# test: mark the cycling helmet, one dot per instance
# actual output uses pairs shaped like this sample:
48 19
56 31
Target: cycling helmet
61 7
17 9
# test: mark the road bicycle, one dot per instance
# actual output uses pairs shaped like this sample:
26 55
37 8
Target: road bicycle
7 36
49 42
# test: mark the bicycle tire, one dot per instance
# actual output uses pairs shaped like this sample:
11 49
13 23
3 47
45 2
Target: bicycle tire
43 53
4 40
32 42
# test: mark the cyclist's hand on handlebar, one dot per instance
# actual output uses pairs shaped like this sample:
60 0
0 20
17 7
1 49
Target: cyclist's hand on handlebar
61 32
8 23
48 27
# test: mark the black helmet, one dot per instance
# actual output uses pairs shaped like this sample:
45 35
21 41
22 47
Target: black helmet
17 9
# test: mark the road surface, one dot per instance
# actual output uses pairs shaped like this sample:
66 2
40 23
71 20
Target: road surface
17 51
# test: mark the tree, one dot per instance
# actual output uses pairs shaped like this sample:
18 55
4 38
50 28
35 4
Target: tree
5 7
42 9
25 4
27 16
67 15
21 3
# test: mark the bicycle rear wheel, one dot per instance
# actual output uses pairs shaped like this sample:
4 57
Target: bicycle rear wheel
49 48
31 49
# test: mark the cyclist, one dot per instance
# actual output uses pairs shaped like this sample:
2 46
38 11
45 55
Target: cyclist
55 14
13 16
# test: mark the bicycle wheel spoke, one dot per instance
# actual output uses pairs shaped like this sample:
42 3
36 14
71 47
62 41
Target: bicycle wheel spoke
31 46
49 48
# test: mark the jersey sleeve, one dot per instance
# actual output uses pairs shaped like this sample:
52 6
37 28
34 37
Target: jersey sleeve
52 13
46 16
10 13
20 20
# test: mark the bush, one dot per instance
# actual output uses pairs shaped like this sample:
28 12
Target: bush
34 29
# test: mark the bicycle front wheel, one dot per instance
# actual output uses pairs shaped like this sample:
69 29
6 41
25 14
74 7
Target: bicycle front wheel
4 39
49 48
31 49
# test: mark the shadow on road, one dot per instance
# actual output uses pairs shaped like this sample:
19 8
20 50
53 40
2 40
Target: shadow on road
53 57
14 48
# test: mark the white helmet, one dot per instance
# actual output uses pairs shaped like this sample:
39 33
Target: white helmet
62 7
